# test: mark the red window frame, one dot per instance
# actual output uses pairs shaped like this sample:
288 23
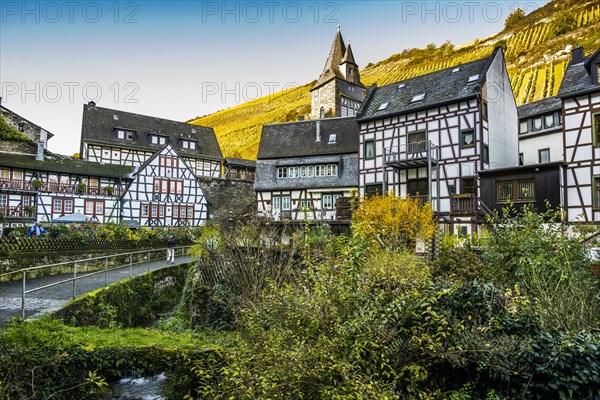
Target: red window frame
188 212
168 186
155 211
62 205
94 206
169 162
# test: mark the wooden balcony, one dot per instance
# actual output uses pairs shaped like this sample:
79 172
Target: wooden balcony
463 204
17 212
55 187
411 155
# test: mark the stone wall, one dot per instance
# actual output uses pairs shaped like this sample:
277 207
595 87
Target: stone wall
31 130
327 96
228 200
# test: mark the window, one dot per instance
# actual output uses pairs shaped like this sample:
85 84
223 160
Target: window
549 121
160 140
484 110
62 206
383 106
596 128
125 135
168 186
469 185
486 154
332 170
596 192
417 142
94 207
182 212
418 187
188 144
451 188
302 172
537 124
282 203
473 78
322 113
417 98
115 117
332 138
293 172
521 159
320 170
523 127
467 138
169 162
328 200
310 171
153 211
374 189
518 189
369 149
3 202
282 172
544 155
305 204
455 70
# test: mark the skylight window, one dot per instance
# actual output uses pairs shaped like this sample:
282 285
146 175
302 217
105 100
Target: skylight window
455 70
193 130
332 138
400 86
473 78
115 117
418 97
383 106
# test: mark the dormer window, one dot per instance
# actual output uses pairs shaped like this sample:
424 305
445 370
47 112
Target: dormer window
332 138
125 134
455 70
400 86
418 98
383 106
473 78
160 140
115 117
193 130
188 144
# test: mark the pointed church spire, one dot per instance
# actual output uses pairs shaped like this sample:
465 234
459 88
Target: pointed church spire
331 69
348 56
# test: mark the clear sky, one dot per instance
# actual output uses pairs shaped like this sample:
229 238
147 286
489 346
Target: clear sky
178 60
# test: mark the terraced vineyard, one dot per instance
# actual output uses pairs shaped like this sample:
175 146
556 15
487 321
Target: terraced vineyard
537 53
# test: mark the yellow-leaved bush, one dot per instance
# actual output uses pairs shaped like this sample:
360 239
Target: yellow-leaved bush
394 221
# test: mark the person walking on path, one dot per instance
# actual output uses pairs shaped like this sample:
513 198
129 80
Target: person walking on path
171 250
36 230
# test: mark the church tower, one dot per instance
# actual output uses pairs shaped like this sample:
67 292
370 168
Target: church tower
338 91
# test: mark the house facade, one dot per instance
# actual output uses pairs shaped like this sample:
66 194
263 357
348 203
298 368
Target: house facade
118 137
165 192
580 94
541 132
303 168
429 136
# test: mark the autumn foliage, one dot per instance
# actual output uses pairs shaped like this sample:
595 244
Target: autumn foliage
394 221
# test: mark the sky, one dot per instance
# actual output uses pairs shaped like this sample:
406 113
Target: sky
182 59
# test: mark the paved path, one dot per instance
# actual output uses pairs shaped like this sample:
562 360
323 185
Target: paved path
52 298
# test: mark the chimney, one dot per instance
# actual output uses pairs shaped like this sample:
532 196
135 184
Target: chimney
577 55
318 138
40 151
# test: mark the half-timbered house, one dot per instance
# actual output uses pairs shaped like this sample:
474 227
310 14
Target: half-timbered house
118 137
44 189
541 132
303 168
429 136
580 93
165 192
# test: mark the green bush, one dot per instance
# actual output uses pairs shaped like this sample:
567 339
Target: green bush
10 133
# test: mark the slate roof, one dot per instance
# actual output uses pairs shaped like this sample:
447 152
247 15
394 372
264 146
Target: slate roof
540 107
98 126
62 164
241 162
297 139
334 59
578 78
439 87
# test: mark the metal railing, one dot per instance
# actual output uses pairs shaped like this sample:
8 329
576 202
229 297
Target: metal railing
103 262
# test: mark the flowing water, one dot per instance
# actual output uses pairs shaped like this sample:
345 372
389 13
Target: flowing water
147 388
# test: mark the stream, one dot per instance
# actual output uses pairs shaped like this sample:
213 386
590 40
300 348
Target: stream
145 388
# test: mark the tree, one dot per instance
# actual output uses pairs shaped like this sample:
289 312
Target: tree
514 17
394 221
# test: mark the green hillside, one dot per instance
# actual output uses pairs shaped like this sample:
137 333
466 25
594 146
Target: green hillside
536 48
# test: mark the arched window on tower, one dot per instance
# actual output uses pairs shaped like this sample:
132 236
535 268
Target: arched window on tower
322 113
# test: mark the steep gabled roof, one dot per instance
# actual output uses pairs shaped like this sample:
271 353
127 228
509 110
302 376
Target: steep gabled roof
348 56
540 107
331 69
65 165
297 139
440 87
578 78
98 126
